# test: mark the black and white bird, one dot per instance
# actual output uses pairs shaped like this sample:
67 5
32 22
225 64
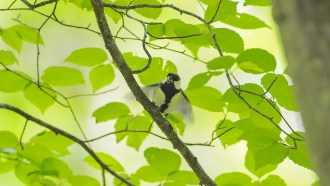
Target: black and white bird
169 96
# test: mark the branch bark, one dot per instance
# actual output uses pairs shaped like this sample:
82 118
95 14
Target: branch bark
141 97
305 31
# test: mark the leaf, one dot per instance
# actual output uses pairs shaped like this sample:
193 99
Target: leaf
42 99
256 61
58 166
115 16
6 165
244 21
299 155
62 76
250 165
10 82
224 62
279 88
134 62
83 4
8 140
273 180
23 172
56 143
152 13
110 111
148 174
199 80
273 154
258 2
12 39
79 180
227 133
162 160
183 177
233 178
101 76
229 40
157 71
271 115
156 31
106 159
177 122
138 123
207 98
87 57
35 153
227 8
28 34
7 57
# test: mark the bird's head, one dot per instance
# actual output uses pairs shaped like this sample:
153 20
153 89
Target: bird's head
174 78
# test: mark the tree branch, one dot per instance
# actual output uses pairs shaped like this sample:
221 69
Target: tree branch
29 117
141 97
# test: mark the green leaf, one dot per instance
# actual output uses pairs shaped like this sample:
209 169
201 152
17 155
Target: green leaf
83 181
299 155
177 122
110 111
227 8
121 124
6 165
258 2
83 4
106 159
149 174
273 180
56 143
135 62
139 123
8 140
10 82
162 160
101 76
115 16
224 62
28 34
23 172
87 57
227 133
233 178
152 13
157 71
316 183
156 31
62 76
269 111
207 98
35 153
7 57
57 166
250 165
183 177
12 39
244 21
229 40
256 61
279 88
273 154
42 99
199 80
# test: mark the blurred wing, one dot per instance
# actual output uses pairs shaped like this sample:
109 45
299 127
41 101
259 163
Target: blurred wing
184 107
148 91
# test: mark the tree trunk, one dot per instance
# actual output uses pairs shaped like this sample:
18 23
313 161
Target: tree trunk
305 30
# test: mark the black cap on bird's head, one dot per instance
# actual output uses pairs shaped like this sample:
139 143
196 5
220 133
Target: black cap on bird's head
173 77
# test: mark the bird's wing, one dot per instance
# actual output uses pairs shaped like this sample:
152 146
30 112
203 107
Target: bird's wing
148 91
184 107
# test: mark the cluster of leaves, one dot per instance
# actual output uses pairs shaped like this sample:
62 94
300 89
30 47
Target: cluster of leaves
258 121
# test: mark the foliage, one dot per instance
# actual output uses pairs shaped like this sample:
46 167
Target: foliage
252 112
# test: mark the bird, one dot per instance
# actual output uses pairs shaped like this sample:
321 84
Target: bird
169 97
